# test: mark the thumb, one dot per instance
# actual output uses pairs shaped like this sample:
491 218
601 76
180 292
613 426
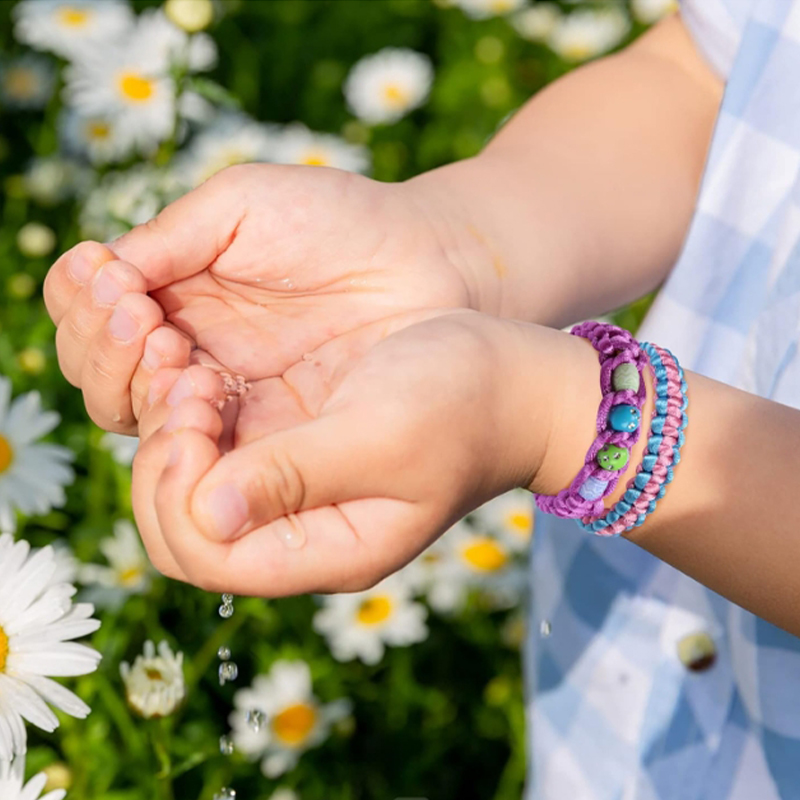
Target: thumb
327 461
189 234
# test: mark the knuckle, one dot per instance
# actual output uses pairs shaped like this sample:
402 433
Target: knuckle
278 488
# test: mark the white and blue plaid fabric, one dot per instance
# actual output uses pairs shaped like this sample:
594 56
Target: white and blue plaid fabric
614 714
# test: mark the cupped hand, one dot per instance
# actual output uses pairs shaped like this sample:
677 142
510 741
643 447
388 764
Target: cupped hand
248 273
344 467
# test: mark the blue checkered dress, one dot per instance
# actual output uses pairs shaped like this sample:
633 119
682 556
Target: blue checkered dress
616 710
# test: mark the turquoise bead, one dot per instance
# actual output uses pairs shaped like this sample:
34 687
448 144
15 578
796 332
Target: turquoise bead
624 418
612 458
625 376
592 488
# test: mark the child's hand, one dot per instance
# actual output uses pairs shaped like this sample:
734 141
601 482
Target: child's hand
259 266
365 451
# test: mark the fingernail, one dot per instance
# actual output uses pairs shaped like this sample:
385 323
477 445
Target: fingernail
183 388
174 454
106 289
152 357
79 269
173 422
228 509
122 325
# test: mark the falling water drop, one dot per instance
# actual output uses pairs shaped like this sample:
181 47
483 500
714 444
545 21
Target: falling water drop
228 671
545 628
226 611
224 653
226 745
227 599
256 719
225 794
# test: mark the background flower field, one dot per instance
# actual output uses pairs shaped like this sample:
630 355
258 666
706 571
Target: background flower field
108 110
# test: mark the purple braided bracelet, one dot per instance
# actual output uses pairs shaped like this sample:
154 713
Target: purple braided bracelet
618 422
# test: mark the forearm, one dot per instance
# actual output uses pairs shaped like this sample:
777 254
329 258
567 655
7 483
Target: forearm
581 202
730 518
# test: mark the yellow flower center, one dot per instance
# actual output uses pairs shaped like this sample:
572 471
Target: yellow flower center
579 51
501 6
131 576
135 87
3 649
520 522
374 610
6 454
98 130
154 674
396 95
485 555
294 724
315 158
72 17
21 82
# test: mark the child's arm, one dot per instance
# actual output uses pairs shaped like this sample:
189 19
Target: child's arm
730 518
579 205
582 201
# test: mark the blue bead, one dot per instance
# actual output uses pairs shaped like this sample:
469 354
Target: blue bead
592 488
624 418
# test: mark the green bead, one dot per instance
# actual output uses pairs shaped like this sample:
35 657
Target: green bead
612 458
625 376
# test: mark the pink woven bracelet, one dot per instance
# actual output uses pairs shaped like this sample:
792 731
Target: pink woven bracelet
618 422
661 470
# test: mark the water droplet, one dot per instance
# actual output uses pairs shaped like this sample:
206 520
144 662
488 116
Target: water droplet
226 611
227 599
256 719
225 794
545 628
293 534
228 671
226 745
224 653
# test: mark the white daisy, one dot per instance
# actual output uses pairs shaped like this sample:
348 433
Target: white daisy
37 620
122 448
588 33
465 560
52 179
483 9
122 200
27 81
32 474
12 786
650 11
537 22
128 86
154 685
71 27
98 138
282 793
385 86
66 564
509 516
232 139
129 571
296 144
361 624
278 718
35 240
172 45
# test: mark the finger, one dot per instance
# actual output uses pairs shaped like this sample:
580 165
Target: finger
164 347
329 460
112 358
190 233
70 273
171 386
90 311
